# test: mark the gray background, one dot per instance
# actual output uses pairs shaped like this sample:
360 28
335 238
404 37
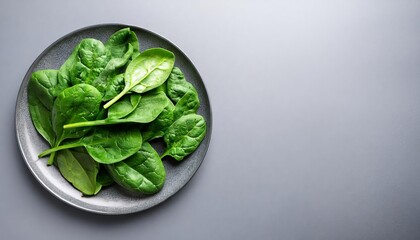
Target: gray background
316 112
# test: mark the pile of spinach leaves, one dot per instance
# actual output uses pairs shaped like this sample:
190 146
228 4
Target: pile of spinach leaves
103 106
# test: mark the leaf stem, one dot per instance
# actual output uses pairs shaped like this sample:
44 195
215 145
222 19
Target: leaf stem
55 149
86 124
51 159
116 98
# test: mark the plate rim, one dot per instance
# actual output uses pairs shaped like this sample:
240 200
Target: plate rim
20 96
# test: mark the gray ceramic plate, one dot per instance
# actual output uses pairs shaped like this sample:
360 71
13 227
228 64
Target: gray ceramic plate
111 200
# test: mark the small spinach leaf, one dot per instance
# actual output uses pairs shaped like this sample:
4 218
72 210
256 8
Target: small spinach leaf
147 71
64 78
124 106
114 85
150 106
177 85
119 41
80 170
143 172
184 136
189 103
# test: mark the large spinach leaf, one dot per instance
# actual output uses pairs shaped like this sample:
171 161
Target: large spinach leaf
147 110
143 172
40 98
41 118
106 82
147 71
64 78
119 42
80 170
106 145
123 46
92 58
184 136
78 103
42 84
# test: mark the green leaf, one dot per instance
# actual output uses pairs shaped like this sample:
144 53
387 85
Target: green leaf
189 103
124 106
177 85
42 84
107 81
143 172
119 41
106 145
64 78
80 170
78 103
111 145
40 100
114 85
147 71
157 127
92 58
150 106
184 136
123 46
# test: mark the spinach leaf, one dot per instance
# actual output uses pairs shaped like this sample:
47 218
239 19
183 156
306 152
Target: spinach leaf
106 145
41 99
111 145
64 79
177 85
92 58
119 41
147 71
147 110
42 84
184 136
143 172
124 106
150 106
123 46
78 103
105 81
114 85
41 118
189 103
80 170
157 127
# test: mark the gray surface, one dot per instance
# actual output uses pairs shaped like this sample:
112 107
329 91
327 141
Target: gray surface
316 111
109 200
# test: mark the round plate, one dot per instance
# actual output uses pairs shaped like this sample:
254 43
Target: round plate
113 199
